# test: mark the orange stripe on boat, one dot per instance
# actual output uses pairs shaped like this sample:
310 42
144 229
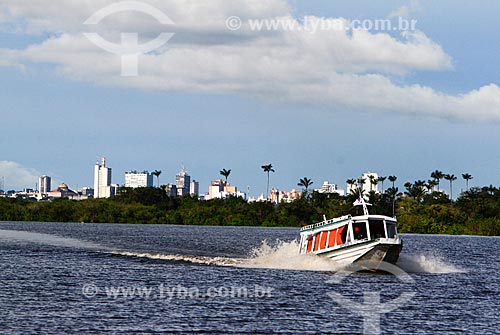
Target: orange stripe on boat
322 244
331 239
310 244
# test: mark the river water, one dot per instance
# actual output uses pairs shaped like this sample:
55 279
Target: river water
59 278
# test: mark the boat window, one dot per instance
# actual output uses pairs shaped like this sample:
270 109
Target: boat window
376 229
342 235
391 229
359 230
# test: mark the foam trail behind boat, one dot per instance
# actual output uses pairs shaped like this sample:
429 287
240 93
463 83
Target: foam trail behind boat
48 239
285 255
218 261
279 255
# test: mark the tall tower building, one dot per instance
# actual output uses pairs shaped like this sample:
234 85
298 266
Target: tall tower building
44 184
183 182
102 180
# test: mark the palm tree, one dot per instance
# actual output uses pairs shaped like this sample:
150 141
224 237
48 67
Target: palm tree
351 183
305 182
392 179
467 177
157 174
450 178
431 183
361 183
381 180
267 168
408 187
437 176
373 181
225 173
393 192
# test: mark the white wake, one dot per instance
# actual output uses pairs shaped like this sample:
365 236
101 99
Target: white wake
219 261
279 255
426 264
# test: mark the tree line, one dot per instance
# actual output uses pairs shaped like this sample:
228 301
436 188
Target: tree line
421 208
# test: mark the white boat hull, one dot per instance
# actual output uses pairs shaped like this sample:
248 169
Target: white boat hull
374 252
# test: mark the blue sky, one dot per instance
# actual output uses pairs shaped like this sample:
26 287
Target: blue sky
219 99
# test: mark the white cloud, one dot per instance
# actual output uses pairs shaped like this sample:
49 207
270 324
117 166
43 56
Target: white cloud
10 58
406 11
17 177
334 68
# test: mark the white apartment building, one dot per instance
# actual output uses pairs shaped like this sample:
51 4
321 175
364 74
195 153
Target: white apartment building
330 188
219 189
366 183
102 180
136 179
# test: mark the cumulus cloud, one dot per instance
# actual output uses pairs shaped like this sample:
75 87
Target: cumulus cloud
339 68
17 177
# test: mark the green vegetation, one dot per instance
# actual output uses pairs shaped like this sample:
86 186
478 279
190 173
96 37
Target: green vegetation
420 209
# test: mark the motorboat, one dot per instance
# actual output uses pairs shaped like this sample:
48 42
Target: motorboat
371 239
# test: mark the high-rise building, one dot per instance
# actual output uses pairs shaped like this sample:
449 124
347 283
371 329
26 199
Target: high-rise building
194 188
136 179
183 182
44 184
102 180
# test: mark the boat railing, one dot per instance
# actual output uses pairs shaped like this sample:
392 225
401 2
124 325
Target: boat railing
325 223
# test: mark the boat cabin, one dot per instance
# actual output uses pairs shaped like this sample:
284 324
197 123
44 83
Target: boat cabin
346 231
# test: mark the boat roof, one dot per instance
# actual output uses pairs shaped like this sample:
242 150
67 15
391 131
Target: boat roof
371 216
322 224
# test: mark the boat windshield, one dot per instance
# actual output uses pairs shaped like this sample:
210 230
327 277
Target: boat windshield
376 229
391 229
359 230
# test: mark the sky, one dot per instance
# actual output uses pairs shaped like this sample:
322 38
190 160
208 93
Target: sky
327 104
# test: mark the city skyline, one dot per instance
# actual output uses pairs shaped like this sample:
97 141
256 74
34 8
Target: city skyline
326 104
183 184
